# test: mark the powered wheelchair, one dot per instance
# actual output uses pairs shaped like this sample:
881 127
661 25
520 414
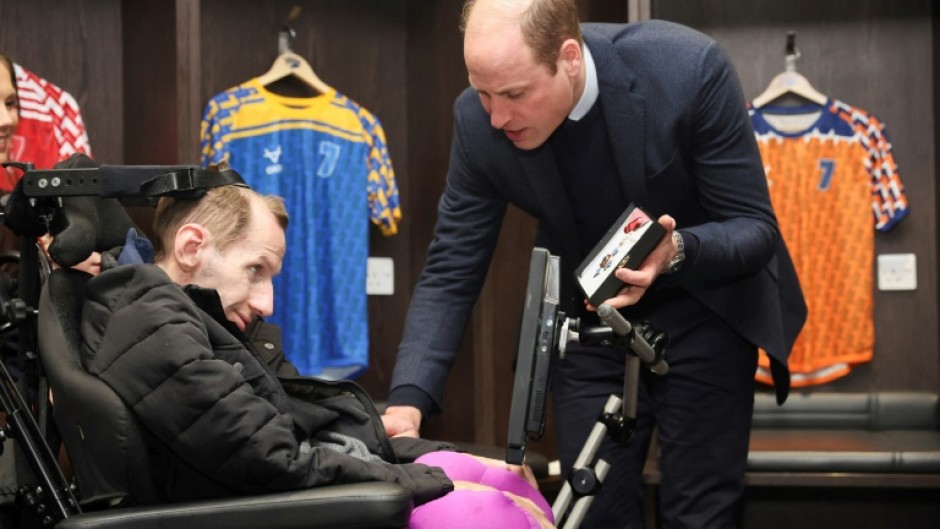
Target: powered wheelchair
106 446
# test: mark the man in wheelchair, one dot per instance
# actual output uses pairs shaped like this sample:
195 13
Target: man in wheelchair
171 339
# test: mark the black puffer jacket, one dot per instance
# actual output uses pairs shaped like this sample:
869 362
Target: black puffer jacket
221 422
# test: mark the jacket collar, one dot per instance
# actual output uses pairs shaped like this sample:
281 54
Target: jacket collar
208 300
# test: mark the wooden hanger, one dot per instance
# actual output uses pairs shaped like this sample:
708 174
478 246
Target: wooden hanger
289 64
789 81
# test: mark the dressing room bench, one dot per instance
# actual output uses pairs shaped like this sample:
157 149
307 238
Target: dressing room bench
839 452
883 439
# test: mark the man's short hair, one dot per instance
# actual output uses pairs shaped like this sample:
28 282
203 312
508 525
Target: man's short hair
545 25
225 211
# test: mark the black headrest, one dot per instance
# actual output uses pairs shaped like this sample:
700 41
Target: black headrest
86 224
81 225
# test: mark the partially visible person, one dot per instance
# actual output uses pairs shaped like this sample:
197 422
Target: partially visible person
9 118
171 341
9 109
51 126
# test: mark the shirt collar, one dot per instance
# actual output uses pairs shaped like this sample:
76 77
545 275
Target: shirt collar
589 96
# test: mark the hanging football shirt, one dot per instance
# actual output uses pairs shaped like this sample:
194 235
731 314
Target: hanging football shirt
51 127
833 183
328 158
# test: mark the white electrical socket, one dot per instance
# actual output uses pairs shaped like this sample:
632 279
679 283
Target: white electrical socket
897 271
380 276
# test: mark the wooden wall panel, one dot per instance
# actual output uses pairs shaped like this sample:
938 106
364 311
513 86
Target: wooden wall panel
876 55
935 86
189 106
149 44
356 47
435 76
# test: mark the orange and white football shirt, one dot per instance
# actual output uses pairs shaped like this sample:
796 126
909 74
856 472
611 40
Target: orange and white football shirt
832 179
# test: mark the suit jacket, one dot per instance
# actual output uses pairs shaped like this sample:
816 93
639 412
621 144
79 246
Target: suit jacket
683 145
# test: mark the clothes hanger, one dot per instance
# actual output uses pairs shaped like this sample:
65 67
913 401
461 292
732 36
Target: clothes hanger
289 64
789 81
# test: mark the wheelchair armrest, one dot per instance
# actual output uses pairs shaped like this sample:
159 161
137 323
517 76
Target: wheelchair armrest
361 505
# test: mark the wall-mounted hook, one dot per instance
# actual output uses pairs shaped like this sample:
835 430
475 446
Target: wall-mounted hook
287 34
793 53
284 39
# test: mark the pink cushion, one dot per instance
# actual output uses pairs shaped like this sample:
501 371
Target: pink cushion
473 509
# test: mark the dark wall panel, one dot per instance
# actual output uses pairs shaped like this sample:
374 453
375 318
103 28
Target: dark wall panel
149 46
356 47
435 75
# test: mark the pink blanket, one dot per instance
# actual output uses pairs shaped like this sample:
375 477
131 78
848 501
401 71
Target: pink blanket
471 509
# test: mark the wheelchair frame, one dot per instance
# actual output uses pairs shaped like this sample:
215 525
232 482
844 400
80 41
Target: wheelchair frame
53 498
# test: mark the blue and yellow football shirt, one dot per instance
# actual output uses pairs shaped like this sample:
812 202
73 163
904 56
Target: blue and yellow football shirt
328 158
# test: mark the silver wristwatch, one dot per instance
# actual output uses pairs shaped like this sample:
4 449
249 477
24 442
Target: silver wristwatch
676 262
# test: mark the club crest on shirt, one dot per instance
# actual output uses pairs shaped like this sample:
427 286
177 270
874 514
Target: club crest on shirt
274 156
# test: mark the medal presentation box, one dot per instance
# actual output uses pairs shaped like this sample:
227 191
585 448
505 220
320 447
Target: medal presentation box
626 244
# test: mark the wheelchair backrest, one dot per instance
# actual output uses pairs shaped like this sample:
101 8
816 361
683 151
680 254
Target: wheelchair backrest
103 440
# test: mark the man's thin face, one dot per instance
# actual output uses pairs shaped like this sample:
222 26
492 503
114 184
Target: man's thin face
522 96
243 272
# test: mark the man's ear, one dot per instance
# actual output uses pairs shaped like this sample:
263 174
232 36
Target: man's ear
189 247
571 57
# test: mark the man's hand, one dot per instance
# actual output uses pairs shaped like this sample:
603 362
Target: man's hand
402 421
636 282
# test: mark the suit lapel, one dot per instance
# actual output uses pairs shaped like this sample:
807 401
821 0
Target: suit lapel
623 115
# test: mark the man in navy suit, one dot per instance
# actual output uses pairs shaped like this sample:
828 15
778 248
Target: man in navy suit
571 123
